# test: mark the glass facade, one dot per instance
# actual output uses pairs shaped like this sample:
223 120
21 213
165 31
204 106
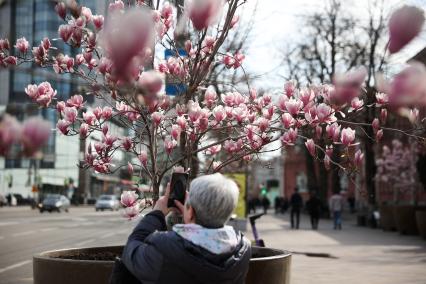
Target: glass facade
35 20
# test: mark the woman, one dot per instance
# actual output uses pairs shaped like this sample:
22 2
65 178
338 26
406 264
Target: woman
202 250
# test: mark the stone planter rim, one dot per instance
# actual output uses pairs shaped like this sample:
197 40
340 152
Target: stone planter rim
47 255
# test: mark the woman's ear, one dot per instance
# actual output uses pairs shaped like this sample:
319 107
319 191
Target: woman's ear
191 214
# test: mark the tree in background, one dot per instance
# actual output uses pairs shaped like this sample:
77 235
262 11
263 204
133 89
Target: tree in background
335 41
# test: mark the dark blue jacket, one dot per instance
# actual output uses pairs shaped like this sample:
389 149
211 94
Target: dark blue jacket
155 255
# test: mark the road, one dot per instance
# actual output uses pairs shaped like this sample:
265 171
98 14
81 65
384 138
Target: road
25 232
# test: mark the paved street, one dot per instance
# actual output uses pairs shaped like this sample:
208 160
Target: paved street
362 255
24 232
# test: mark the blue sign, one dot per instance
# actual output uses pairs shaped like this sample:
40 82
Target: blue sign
173 86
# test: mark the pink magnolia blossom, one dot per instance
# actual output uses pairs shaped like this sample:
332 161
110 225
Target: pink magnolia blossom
234 21
169 145
22 44
348 85
70 114
157 117
293 106
325 113
376 125
262 123
87 13
98 113
84 128
307 96
289 88
109 140
63 125
382 99
348 136
143 158
130 168
281 102
126 38
151 81
65 32
126 143
203 13
379 135
407 88
219 113
75 101
10 133
310 145
175 131
105 129
132 211
228 60
383 115
42 94
181 121
98 21
4 44
333 131
61 10
213 150
129 198
359 157
290 136
404 25
89 118
239 57
210 97
106 113
118 5
357 104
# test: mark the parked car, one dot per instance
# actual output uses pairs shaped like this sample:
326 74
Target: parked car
55 202
110 202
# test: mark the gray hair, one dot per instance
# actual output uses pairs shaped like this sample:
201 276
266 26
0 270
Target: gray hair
213 198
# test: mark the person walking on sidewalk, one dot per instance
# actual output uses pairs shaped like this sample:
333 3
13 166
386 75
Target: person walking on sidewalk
296 203
336 208
313 205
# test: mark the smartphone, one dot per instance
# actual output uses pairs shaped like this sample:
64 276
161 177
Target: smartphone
178 187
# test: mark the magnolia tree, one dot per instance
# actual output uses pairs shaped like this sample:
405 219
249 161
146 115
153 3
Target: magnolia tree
397 167
116 58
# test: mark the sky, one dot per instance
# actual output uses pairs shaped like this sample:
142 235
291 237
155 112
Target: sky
278 25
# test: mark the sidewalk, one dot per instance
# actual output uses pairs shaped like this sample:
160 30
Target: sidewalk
364 255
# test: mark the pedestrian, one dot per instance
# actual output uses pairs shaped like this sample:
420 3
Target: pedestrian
202 250
277 204
265 204
313 206
336 208
351 202
296 203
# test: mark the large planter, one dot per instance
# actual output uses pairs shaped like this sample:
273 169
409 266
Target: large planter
421 222
387 220
268 266
405 219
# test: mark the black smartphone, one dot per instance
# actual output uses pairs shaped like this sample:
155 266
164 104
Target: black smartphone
178 187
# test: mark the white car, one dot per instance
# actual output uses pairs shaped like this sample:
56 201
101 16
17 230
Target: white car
109 202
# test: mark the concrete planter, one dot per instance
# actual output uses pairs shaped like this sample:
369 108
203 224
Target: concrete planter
268 266
405 219
387 220
421 222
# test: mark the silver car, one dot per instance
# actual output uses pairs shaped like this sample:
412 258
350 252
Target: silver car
55 202
109 202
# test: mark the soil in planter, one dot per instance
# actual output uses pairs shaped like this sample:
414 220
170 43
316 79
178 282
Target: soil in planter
104 255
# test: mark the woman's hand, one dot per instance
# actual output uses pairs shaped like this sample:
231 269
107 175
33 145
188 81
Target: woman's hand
161 203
